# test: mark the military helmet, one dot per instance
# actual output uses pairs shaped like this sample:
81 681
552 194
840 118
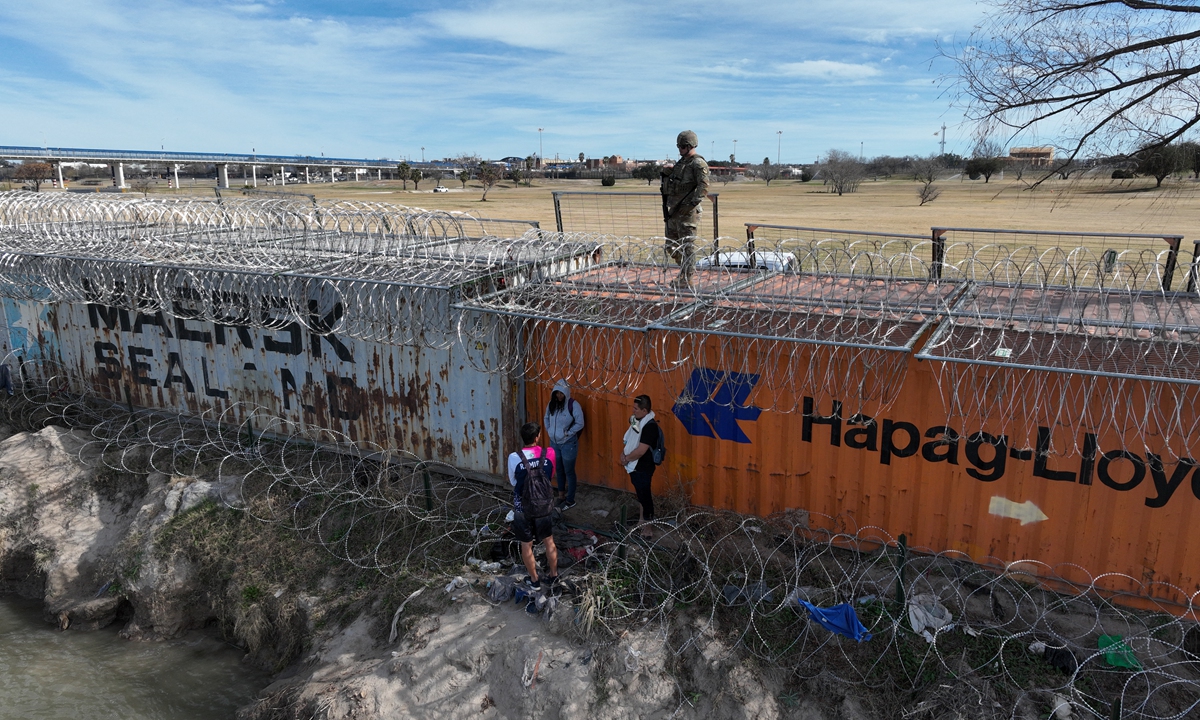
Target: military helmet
687 137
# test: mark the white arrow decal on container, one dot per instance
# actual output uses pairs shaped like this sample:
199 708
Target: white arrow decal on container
1026 512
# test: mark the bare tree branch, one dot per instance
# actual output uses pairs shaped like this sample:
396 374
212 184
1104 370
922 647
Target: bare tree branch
1104 76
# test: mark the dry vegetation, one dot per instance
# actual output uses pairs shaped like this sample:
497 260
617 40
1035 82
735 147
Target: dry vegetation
1090 205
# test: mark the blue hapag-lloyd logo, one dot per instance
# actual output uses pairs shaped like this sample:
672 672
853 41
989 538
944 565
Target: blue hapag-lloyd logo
714 401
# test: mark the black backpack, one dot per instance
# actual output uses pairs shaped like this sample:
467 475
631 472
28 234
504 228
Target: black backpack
537 497
658 453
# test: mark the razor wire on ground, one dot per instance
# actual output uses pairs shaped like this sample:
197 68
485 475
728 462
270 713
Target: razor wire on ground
947 633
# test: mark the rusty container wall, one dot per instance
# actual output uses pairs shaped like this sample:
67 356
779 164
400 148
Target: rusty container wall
430 402
962 497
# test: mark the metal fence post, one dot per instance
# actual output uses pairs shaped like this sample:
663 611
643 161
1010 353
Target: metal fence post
557 212
749 244
1192 273
938 252
1172 261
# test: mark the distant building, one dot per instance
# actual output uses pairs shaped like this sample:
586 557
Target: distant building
1035 156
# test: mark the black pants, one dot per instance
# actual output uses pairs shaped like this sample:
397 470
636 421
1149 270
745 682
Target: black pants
641 483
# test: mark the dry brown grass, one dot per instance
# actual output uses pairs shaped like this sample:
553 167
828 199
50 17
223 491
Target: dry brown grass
1091 205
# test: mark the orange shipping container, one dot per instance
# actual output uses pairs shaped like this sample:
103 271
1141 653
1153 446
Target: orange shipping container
1106 507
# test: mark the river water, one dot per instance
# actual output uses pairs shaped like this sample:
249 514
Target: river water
46 673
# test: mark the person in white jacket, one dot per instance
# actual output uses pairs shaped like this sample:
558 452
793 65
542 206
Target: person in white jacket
563 422
643 435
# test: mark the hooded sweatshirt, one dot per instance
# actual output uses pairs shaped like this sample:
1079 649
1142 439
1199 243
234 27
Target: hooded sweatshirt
564 425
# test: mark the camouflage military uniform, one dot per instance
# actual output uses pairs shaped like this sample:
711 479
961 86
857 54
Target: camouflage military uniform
684 188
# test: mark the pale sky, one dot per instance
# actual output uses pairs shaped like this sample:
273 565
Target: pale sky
374 78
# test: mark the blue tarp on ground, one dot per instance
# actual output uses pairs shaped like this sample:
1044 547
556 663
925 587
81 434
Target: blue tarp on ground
840 619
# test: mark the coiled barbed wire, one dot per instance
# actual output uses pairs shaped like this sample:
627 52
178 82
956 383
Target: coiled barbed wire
734 578
1087 338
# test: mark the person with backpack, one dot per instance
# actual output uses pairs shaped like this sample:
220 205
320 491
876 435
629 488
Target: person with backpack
563 422
529 473
643 452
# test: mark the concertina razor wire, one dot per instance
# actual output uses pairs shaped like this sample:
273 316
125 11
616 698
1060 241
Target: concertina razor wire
1013 644
1080 331
864 299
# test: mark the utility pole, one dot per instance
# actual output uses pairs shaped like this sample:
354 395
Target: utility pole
540 156
860 150
735 150
779 145
422 154
943 139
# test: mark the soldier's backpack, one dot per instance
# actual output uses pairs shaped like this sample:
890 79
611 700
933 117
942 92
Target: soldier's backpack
537 497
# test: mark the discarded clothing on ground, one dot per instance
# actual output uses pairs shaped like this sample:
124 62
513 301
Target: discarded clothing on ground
1060 657
501 589
926 613
752 593
840 619
577 543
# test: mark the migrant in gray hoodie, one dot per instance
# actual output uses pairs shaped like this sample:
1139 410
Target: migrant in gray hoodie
567 422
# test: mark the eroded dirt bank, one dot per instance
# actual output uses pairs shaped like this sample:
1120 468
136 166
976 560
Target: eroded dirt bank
163 555
167 554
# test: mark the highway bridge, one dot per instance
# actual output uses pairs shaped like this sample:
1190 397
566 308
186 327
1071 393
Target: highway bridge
117 158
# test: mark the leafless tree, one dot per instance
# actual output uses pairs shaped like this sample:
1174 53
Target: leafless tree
1111 76
842 171
928 192
926 171
1018 167
767 171
33 172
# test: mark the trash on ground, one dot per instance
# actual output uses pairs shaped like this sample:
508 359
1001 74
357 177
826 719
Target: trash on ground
1119 653
840 619
925 613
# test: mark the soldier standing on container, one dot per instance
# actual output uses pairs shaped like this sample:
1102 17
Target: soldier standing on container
684 189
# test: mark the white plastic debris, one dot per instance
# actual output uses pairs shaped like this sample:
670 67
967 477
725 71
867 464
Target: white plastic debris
396 617
489 567
632 661
1062 708
455 584
926 613
509 517
1037 648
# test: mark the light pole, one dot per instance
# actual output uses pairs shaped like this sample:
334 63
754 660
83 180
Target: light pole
735 150
779 145
422 154
540 146
712 148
